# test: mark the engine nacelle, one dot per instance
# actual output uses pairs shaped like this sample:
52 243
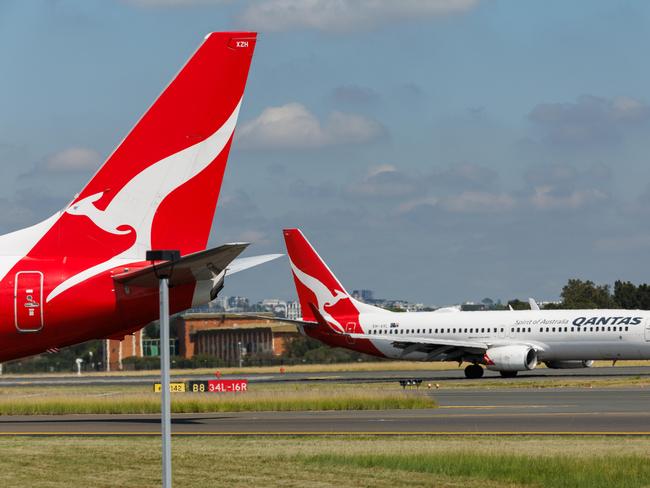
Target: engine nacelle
569 364
511 358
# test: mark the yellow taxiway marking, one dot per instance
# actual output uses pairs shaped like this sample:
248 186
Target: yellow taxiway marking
330 433
503 406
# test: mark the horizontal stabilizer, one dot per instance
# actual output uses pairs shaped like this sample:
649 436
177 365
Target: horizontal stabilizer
240 264
200 266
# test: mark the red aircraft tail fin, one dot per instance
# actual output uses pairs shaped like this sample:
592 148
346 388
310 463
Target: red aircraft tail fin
161 184
318 289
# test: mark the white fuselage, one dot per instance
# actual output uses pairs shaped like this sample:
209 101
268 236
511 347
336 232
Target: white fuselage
556 334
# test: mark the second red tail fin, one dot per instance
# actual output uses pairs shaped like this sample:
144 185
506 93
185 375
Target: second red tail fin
316 284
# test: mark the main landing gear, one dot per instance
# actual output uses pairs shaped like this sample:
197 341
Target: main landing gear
473 371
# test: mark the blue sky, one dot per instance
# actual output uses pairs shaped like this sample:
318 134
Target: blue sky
432 150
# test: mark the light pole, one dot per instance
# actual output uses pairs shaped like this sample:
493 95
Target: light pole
164 275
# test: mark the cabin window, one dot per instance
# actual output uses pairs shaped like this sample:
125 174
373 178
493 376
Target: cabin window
436 331
553 329
501 329
609 329
626 328
596 329
571 329
454 331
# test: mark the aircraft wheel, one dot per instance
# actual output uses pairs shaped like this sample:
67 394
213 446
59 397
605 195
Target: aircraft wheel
508 374
473 371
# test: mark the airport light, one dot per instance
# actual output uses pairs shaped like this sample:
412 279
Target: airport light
78 361
164 275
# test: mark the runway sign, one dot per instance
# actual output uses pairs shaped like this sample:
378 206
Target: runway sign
173 387
218 386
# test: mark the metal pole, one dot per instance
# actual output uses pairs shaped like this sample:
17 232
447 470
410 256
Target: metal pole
165 398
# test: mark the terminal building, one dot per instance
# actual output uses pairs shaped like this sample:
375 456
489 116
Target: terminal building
225 336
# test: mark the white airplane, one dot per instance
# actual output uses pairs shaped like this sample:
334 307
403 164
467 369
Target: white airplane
504 341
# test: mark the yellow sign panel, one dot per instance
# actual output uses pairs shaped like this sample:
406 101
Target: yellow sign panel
173 387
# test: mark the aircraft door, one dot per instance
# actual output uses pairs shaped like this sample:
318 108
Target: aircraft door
647 330
28 301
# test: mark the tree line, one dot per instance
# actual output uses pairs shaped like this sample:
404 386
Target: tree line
577 294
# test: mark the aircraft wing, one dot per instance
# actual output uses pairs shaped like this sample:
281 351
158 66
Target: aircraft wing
434 347
200 266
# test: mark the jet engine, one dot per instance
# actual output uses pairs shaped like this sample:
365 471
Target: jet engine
511 358
569 364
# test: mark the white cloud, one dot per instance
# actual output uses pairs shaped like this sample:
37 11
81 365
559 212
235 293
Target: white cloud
467 202
545 198
386 181
73 159
292 126
344 15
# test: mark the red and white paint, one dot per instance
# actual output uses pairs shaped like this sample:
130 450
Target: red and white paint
157 190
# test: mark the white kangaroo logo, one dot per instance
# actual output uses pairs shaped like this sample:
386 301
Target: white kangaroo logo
134 207
324 296
101 218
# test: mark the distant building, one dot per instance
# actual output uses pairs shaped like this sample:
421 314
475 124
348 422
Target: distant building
220 334
293 310
116 350
366 296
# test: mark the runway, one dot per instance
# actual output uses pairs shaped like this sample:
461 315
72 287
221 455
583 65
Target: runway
613 411
351 377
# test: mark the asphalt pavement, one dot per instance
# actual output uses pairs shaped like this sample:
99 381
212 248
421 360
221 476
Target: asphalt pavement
351 376
594 411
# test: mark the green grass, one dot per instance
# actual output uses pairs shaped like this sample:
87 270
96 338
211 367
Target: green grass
143 403
555 471
327 462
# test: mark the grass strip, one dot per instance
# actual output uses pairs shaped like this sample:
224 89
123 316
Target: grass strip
209 403
557 471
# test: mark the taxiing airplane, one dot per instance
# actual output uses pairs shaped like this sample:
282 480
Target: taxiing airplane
82 273
503 341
